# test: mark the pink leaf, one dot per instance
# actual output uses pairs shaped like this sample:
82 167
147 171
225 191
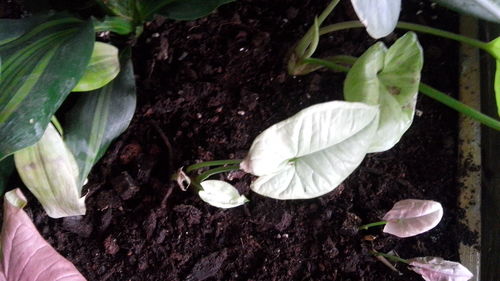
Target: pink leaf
411 217
438 269
26 256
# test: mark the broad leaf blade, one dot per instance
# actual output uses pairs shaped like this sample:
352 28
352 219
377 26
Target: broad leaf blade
484 9
99 117
438 269
412 217
11 29
39 69
389 78
122 8
26 256
378 16
312 152
497 86
190 9
102 68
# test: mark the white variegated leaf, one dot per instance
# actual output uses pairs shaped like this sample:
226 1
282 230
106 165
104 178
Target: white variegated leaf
312 152
438 269
221 194
411 217
378 16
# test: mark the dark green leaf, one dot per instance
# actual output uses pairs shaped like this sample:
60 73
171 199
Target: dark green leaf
39 69
122 8
99 117
6 169
190 9
117 25
11 29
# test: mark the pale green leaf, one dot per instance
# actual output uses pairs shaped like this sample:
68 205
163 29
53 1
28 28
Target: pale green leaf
221 194
378 16
390 79
103 67
312 152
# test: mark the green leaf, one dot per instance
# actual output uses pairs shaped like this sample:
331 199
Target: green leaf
390 79
379 16
484 9
189 9
122 8
99 117
11 29
497 86
103 67
39 69
493 47
117 25
312 152
6 169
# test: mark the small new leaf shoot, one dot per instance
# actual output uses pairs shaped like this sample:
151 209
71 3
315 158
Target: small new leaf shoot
26 256
379 16
50 172
411 217
103 67
326 142
389 78
221 194
438 269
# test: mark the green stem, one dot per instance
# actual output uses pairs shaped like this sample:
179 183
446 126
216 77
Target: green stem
366 226
432 93
390 257
460 107
412 27
212 163
205 175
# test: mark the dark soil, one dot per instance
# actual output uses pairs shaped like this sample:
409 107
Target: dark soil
206 89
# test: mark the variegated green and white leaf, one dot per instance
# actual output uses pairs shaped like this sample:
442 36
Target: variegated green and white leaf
378 16
98 117
103 67
389 78
39 69
312 152
50 172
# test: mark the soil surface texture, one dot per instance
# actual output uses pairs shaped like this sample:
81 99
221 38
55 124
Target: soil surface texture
206 89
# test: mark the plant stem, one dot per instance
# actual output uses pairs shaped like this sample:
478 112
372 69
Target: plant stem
203 176
366 226
460 107
409 26
212 163
430 92
390 257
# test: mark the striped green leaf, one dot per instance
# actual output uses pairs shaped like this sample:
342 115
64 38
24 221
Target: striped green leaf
99 117
39 69
10 29
122 8
190 9
103 67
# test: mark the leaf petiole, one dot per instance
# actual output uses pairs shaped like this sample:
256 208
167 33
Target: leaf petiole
366 226
390 257
212 163
205 175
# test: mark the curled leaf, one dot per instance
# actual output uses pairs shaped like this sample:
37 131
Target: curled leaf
26 256
411 217
379 16
221 194
312 152
50 172
103 67
438 269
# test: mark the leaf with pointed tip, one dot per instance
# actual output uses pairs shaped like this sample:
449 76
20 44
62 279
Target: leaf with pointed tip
411 217
438 269
39 69
98 117
312 152
389 78
26 256
221 194
102 68
378 16
484 9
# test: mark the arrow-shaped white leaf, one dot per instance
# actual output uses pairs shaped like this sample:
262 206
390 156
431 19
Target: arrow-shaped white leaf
26 256
379 16
221 194
438 269
312 152
411 217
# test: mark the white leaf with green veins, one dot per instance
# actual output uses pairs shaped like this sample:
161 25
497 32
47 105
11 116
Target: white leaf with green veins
389 78
312 152
50 172
378 16
103 67
221 194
